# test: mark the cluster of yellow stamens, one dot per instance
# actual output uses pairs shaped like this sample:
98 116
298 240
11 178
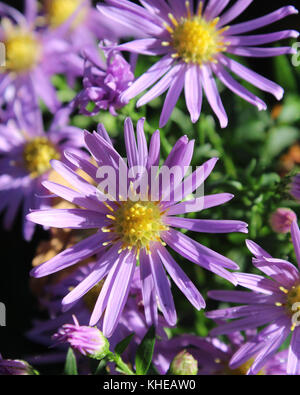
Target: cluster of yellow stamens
37 155
292 303
59 11
23 50
194 39
136 224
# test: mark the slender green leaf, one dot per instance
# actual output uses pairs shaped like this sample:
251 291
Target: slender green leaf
71 364
145 352
121 347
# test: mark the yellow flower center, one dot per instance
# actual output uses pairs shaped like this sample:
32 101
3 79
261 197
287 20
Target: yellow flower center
37 155
58 11
23 51
194 39
137 224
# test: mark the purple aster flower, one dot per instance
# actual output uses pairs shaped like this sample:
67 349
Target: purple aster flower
193 43
295 187
83 22
274 301
213 356
103 82
134 224
33 56
132 319
15 367
281 220
26 150
87 340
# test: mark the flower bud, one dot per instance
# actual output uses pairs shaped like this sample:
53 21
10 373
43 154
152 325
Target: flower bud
87 340
281 220
15 367
184 364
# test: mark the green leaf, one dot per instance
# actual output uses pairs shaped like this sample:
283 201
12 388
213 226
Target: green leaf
145 352
284 73
121 347
279 139
71 364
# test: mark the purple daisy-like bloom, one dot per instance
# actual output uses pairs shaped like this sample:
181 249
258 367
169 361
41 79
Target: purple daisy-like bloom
103 82
192 43
15 367
83 22
33 56
135 224
213 356
87 340
26 150
274 301
131 321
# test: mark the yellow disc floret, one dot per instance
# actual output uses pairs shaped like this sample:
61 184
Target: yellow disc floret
58 11
194 39
137 224
23 51
37 155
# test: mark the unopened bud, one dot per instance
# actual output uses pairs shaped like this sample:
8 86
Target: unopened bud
281 220
184 364
87 340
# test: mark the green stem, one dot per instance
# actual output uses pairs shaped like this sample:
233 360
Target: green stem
120 363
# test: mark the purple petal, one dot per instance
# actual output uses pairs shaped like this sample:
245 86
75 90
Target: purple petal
199 204
293 366
193 91
181 279
206 225
119 292
163 290
80 251
68 218
172 97
212 94
255 79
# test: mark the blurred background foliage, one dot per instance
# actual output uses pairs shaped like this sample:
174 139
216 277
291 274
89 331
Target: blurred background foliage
258 151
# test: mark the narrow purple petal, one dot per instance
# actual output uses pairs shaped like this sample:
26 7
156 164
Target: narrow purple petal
199 204
193 91
293 366
212 94
80 251
296 240
172 97
163 290
181 279
255 79
68 218
207 225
